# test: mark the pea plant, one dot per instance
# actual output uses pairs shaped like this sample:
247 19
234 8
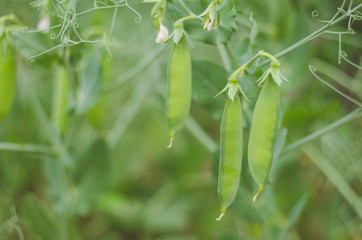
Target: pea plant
265 121
92 91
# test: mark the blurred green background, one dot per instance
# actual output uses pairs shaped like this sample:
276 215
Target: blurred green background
109 175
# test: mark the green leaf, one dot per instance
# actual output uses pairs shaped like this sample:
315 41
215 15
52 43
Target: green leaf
92 175
294 215
222 34
279 144
225 6
57 188
91 84
39 219
254 29
31 44
206 84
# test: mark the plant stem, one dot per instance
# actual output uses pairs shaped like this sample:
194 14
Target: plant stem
201 135
186 8
224 56
231 55
146 62
274 61
181 20
349 117
250 61
315 34
25 147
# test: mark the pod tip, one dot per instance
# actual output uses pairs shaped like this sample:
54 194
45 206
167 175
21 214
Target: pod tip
170 144
219 218
256 195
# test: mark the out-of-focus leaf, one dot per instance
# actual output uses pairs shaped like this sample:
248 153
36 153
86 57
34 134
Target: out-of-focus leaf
40 220
92 175
254 29
31 44
279 143
294 214
206 84
164 211
281 17
125 210
245 207
225 6
57 189
98 113
244 51
91 83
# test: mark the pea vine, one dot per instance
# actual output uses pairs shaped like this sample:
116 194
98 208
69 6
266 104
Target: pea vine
264 127
68 29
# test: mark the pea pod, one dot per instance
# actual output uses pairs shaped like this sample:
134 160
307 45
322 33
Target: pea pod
230 153
179 88
7 81
263 132
60 99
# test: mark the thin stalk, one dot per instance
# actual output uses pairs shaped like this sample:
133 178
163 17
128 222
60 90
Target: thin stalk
181 20
186 8
251 60
145 63
26 147
224 56
315 34
128 113
349 117
358 103
231 55
201 135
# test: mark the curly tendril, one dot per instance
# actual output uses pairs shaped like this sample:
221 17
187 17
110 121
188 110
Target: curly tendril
315 14
69 33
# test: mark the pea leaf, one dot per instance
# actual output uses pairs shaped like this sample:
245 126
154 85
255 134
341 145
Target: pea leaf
194 28
29 45
56 183
225 7
206 84
41 222
92 175
222 34
90 87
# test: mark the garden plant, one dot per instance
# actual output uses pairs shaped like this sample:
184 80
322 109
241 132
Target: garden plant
180 119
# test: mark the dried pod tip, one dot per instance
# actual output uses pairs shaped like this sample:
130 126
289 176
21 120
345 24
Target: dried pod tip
219 218
256 195
170 144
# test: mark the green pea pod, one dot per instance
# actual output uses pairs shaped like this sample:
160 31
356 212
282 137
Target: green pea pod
231 149
60 99
263 132
179 88
7 81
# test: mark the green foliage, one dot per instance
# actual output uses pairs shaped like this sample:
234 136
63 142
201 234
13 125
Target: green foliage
108 175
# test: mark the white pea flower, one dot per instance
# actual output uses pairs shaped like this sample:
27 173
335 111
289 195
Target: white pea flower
162 34
44 23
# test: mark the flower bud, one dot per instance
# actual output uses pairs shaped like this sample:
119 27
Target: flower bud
162 34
